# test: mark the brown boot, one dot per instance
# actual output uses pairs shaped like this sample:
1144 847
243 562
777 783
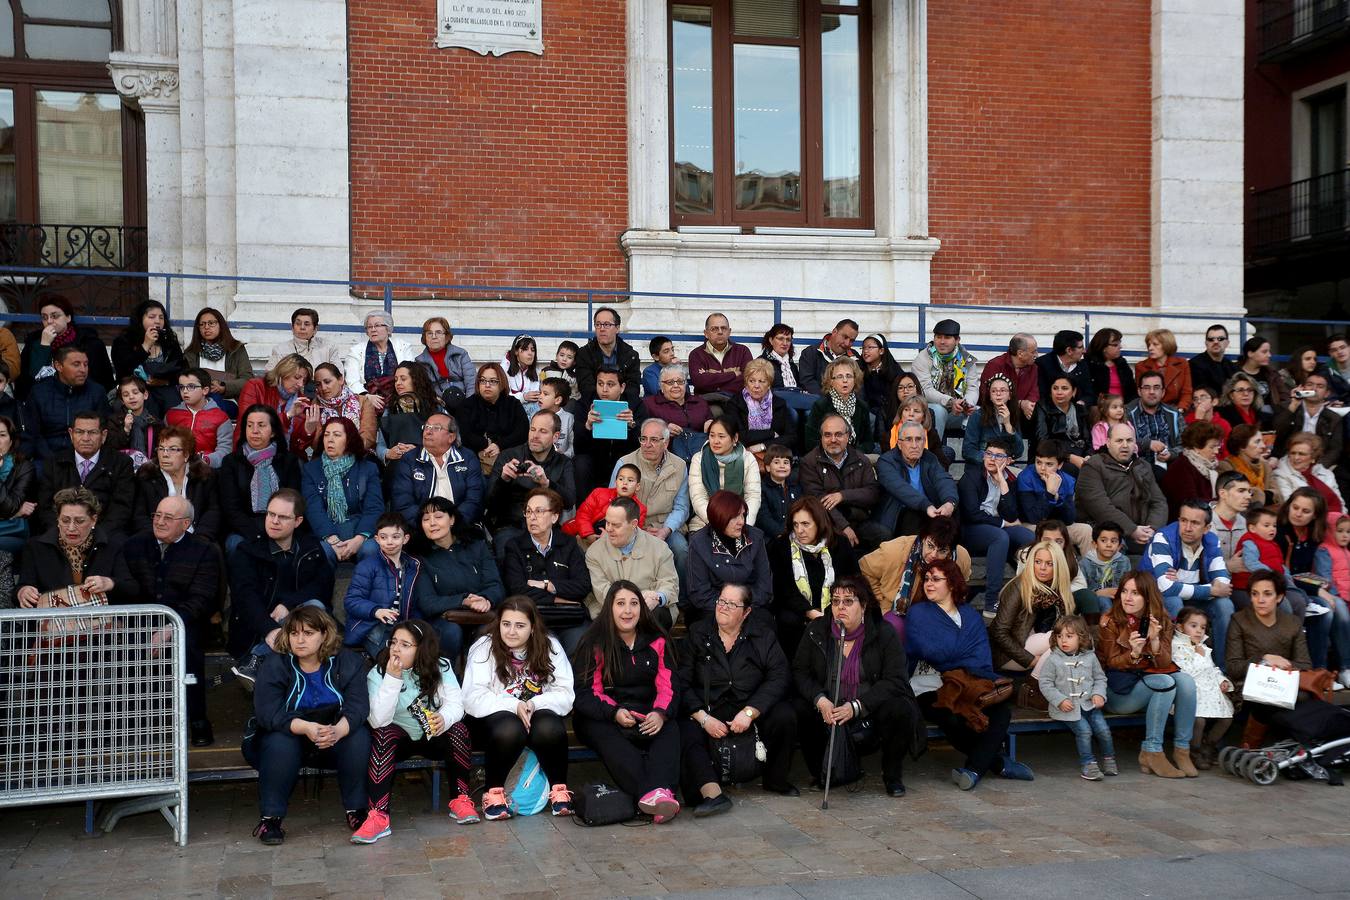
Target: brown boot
1182 758
1156 763
1203 757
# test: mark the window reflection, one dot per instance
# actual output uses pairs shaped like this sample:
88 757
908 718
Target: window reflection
79 137
8 182
767 123
841 131
691 38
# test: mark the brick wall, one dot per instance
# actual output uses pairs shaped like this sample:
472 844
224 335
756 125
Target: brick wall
505 170
1039 151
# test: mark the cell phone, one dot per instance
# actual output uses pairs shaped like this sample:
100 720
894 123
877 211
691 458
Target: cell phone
641 717
1143 627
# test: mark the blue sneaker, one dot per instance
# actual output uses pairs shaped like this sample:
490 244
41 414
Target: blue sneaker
965 779
1015 770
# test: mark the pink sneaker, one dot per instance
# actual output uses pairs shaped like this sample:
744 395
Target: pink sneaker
375 827
495 805
463 811
660 804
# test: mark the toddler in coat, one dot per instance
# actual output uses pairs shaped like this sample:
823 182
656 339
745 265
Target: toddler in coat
1074 685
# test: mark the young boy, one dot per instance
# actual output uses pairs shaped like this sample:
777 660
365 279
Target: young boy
210 425
663 353
1045 491
1104 565
564 364
384 588
778 492
554 393
1259 550
590 517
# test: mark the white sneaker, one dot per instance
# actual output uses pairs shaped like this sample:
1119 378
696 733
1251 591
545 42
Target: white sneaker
1316 609
1343 679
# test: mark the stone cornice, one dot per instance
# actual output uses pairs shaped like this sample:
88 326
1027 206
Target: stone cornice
145 81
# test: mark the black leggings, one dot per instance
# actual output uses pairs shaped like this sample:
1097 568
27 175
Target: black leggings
502 738
891 723
983 749
638 764
777 727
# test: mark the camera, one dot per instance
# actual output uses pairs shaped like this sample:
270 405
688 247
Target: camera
1304 394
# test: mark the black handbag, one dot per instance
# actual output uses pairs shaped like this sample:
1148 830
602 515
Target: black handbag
602 804
739 757
844 766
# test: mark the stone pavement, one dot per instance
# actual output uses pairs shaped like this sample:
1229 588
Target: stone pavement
1129 836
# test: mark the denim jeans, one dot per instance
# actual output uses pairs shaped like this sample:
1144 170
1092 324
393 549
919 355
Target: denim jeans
942 417
1092 722
1319 630
279 755
1340 631
679 548
1156 695
995 544
1220 611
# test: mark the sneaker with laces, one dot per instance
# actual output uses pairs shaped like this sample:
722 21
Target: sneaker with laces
356 818
1091 771
269 831
560 800
1109 766
463 811
375 826
660 804
495 804
246 670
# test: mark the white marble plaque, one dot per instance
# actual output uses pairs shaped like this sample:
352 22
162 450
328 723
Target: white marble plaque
491 26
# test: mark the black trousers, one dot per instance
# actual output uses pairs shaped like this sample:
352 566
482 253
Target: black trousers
194 662
637 763
777 729
892 726
502 738
983 749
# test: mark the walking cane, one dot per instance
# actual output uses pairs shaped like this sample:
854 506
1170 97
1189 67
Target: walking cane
834 726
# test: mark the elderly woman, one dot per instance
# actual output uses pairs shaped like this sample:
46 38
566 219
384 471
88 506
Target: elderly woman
215 349
1300 468
282 388
57 330
448 367
1135 649
1193 474
989 512
148 347
18 488
401 421
806 561
177 471
893 568
1240 403
463 575
722 465
778 352
1249 454
1028 608
733 678
333 399
260 465
874 705
1110 372
550 568
1176 372
945 640
762 415
491 420
686 415
728 551
842 390
370 362
74 553
342 492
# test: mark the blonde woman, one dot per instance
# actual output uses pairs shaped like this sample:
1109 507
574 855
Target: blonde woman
841 394
1028 608
1175 371
282 389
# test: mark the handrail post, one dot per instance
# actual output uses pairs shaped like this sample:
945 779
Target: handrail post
923 325
1242 332
777 310
590 311
1087 326
389 300
168 296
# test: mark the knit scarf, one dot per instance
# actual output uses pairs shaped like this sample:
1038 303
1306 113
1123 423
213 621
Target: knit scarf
846 407
1044 596
333 472
77 556
720 545
264 482
66 337
345 405
850 671
760 411
1207 467
799 577
285 402
6 466
900 605
210 351
1256 475
950 370
731 474
379 365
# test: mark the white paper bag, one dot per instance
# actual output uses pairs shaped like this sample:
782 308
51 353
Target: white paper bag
1271 686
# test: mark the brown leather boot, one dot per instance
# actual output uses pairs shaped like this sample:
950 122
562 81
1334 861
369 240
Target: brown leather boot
1156 763
1182 758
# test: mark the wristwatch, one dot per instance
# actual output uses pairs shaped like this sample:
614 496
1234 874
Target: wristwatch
748 712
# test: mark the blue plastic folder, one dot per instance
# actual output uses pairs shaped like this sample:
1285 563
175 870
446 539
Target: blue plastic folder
609 426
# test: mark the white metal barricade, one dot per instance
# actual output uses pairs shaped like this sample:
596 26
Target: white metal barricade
92 707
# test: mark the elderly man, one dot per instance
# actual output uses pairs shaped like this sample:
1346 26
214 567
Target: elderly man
440 469
181 570
717 368
607 350
628 553
1115 485
664 489
845 482
520 470
948 376
53 402
839 342
1019 366
109 476
1187 560
917 486
306 342
1066 358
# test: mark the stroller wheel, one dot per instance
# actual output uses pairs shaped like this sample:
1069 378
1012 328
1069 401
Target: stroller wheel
1262 771
1229 757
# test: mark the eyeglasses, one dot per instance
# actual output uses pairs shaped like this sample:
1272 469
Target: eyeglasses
189 387
1215 340
995 456
679 381
538 512
279 517
434 428
163 448
436 333
1242 390
934 577
488 381
841 376
729 604
606 324
651 440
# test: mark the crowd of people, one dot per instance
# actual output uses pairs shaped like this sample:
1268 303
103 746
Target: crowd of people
692 557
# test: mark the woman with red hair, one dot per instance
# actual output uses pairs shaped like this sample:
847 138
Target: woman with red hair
728 551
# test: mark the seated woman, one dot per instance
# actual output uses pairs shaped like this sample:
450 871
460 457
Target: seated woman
1086 601
1135 648
371 361
415 710
879 368
549 568
259 466
996 414
491 420
342 492
989 513
177 471
943 634
448 367
1110 372
1028 608
722 465
517 694
401 421
462 574
74 553
841 393
1241 403
733 677
283 389
1249 454
58 329
874 703
18 488
222 354
1162 357
1300 469
310 704
762 416
625 695
1193 474
148 347
806 561
686 415
1301 526
787 378
893 569
1062 417
1204 403
333 399
728 551
521 364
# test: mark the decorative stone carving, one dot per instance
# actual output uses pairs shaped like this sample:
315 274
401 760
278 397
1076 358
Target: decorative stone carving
145 81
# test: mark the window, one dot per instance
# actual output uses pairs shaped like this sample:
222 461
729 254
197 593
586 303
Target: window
770 113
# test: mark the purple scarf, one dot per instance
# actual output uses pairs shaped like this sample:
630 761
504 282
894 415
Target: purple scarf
761 411
852 668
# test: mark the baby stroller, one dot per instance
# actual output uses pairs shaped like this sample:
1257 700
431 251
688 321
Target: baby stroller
1295 760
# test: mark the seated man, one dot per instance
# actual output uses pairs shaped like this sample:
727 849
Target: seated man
948 376
717 367
664 488
1115 485
107 475
990 521
181 570
1233 494
519 470
845 482
53 402
626 552
272 575
1157 426
1187 561
917 486
440 469
596 456
306 342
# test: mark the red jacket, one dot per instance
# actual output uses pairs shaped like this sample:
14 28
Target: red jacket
210 426
257 390
708 375
1271 558
592 511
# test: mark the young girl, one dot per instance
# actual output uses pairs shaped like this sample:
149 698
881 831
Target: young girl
415 710
1074 684
1332 562
517 694
1110 411
1212 707
522 373
133 432
590 518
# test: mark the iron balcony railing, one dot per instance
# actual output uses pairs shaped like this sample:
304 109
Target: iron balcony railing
1305 215
64 253
1289 28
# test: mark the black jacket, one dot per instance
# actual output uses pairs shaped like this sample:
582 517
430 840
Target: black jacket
755 672
565 566
503 423
778 370
1211 374
1101 379
973 488
112 481
1051 422
589 360
782 430
232 486
45 567
281 684
18 488
86 338
644 680
786 598
506 499
260 579
186 579
774 502
50 410
709 570
1048 368
202 493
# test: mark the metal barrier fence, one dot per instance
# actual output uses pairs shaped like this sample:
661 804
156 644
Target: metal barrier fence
92 707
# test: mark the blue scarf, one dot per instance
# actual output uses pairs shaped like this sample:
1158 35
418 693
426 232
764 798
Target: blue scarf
333 472
380 365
